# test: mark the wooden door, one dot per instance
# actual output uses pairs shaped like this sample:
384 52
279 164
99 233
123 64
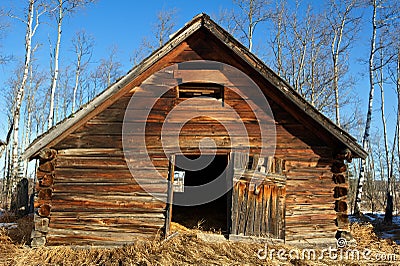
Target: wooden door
258 197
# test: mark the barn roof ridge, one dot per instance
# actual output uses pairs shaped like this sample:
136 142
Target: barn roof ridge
202 20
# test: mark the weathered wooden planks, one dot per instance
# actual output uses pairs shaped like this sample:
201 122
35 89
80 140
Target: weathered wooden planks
259 214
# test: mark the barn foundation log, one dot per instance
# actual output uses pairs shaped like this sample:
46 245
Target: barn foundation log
43 196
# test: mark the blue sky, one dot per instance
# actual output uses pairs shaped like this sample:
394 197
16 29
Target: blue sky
125 22
122 23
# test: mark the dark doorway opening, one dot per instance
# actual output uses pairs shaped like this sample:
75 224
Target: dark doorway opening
212 216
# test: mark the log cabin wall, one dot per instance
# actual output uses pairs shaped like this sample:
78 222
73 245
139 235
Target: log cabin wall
95 200
310 212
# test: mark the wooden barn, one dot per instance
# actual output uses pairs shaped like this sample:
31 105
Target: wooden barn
112 172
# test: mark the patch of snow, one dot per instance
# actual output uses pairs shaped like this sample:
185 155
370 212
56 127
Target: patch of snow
353 219
9 226
371 216
396 220
387 235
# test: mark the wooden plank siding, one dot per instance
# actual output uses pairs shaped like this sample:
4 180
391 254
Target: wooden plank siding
95 200
260 215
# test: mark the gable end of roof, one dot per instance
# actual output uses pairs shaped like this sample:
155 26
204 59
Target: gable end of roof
202 20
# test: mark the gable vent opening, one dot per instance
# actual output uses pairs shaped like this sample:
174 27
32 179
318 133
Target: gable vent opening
190 90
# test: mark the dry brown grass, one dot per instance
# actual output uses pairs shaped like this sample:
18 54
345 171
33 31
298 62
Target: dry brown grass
22 233
7 217
7 248
367 238
183 249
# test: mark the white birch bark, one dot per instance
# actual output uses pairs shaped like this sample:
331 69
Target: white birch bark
54 77
31 28
366 136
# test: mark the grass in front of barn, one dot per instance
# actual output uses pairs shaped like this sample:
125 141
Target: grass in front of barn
185 248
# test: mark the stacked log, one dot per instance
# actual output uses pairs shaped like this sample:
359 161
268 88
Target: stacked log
43 196
340 191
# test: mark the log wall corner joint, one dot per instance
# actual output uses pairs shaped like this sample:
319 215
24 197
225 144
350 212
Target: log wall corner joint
44 189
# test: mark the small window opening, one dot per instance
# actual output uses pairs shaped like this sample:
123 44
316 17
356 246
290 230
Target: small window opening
190 90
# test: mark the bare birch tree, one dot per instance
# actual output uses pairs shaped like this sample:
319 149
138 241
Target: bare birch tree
106 73
301 54
3 28
62 8
397 82
224 18
3 60
145 48
54 56
251 14
83 48
164 25
9 97
279 37
110 68
380 82
64 92
32 22
162 29
343 28
382 16
366 135
389 56
35 81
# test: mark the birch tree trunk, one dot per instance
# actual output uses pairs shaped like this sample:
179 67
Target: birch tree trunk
83 47
389 197
335 48
253 12
343 27
164 26
3 146
277 47
251 25
76 86
397 135
54 77
28 117
366 136
6 172
6 180
398 100
31 28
